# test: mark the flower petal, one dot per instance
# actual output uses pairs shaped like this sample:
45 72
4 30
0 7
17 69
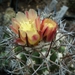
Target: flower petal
21 18
26 13
38 23
14 21
33 38
44 31
23 36
14 28
19 41
49 36
32 14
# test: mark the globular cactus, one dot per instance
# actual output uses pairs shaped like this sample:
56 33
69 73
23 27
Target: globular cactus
9 14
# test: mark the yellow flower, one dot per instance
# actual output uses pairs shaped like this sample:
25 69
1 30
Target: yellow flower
26 26
31 29
48 29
